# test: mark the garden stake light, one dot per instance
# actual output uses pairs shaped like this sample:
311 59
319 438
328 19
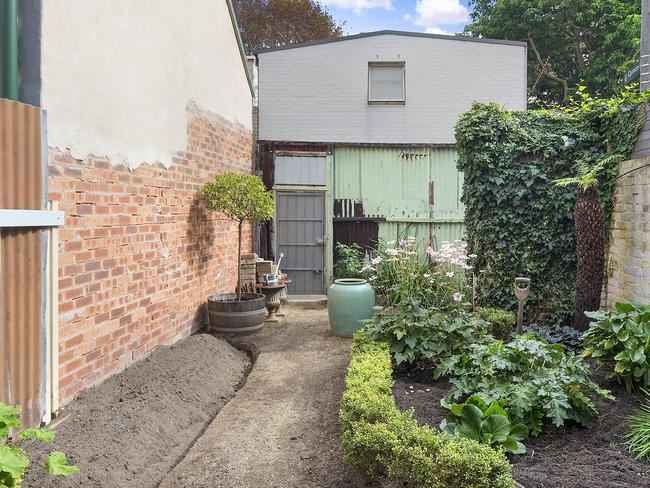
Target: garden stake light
522 289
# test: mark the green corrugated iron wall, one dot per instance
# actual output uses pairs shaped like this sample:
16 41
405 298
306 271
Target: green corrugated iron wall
409 191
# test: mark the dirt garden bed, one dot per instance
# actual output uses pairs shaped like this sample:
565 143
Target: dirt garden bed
133 428
571 457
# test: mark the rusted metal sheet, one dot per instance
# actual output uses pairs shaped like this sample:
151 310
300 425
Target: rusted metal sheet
356 231
21 261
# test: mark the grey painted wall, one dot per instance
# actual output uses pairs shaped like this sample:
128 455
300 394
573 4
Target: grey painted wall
318 93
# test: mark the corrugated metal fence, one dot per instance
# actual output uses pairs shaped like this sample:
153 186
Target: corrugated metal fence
401 191
22 262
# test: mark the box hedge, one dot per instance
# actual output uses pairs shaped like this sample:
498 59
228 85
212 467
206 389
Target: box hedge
383 442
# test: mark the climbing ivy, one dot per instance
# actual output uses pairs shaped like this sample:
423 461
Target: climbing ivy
520 224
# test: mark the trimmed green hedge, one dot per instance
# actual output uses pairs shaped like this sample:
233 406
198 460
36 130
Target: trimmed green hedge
381 441
502 322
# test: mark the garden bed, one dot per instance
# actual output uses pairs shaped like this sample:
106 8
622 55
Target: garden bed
134 427
571 457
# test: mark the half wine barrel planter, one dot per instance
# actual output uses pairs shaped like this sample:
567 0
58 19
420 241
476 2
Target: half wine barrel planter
229 316
349 301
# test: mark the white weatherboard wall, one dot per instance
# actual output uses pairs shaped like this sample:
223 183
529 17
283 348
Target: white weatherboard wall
319 93
118 75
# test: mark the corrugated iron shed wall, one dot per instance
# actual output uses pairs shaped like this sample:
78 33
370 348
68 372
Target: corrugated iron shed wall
21 257
406 191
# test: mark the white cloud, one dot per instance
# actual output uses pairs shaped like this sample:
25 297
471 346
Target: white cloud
431 14
438 30
407 17
358 6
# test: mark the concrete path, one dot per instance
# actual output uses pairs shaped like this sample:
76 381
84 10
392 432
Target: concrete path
281 429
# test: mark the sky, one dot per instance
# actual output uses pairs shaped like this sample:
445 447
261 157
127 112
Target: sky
433 16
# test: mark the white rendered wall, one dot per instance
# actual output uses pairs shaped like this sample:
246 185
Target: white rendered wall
319 93
117 75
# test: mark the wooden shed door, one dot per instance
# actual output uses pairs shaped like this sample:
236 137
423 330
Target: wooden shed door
300 227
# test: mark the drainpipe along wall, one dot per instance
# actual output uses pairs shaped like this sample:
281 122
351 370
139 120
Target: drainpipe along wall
9 49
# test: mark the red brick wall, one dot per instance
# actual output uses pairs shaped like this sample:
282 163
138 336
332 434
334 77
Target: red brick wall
138 253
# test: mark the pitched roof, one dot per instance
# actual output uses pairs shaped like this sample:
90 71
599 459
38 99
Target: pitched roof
242 52
392 33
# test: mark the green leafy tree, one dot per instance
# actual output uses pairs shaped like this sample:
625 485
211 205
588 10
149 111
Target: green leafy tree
14 461
589 222
569 41
239 197
271 23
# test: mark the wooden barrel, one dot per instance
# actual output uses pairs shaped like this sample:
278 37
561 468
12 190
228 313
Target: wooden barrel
229 316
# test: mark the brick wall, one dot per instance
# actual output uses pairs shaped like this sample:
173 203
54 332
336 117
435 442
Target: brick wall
138 253
629 254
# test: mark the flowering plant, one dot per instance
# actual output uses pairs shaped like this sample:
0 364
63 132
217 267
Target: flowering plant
449 280
401 272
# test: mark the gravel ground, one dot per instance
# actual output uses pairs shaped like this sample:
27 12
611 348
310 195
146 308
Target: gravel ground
281 429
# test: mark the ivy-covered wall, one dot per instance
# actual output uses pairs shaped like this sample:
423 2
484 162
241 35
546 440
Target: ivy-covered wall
518 222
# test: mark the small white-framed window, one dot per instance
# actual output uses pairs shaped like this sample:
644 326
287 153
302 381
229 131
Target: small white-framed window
387 83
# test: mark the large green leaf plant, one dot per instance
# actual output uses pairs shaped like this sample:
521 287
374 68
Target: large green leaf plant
485 423
14 461
622 338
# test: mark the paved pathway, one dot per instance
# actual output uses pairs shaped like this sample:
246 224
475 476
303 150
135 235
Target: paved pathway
281 429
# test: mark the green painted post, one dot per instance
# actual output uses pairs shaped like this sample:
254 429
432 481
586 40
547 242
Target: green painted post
9 41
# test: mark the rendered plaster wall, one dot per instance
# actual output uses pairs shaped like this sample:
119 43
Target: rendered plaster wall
117 76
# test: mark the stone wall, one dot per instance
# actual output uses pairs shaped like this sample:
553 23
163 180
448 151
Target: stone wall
139 253
629 254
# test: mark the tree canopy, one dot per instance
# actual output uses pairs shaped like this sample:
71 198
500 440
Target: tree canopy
271 23
591 42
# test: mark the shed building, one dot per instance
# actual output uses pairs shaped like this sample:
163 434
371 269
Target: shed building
356 138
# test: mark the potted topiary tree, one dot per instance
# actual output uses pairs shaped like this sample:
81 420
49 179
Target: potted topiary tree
239 197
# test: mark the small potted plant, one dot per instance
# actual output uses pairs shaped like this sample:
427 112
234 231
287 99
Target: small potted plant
239 197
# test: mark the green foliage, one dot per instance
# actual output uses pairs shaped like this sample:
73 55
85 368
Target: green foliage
239 196
622 338
502 322
587 176
381 441
638 436
578 41
520 224
350 261
487 424
529 377
13 456
415 333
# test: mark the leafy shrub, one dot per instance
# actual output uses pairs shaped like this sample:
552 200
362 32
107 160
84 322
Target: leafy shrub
13 456
400 272
638 437
502 322
529 377
414 332
487 424
558 333
382 442
350 261
519 224
622 337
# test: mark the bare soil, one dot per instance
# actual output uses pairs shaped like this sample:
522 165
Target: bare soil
570 457
134 427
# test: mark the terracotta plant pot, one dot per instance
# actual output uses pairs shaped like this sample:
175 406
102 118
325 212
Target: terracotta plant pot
229 316
349 302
